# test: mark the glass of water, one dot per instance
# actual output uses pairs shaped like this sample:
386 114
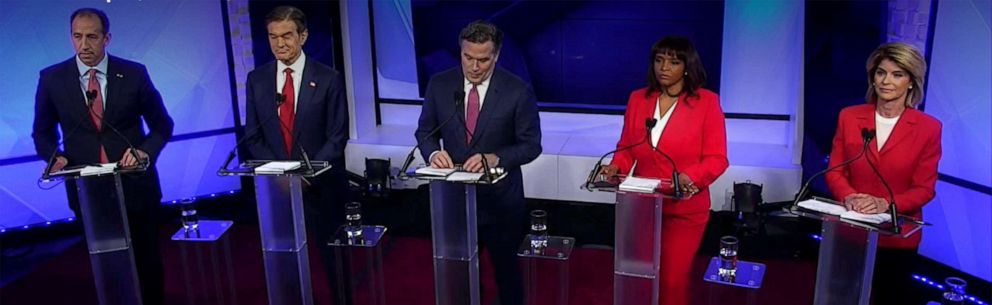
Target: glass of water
728 257
353 219
191 222
538 229
955 290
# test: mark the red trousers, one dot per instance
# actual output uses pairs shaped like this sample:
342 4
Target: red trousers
680 238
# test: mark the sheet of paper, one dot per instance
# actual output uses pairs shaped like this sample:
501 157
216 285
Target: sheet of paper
639 185
464 176
869 218
277 167
823 207
430 171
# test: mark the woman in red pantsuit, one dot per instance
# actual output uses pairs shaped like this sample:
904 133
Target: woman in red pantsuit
905 151
691 131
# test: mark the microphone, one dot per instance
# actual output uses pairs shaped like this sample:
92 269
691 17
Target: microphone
90 97
296 137
676 185
459 97
649 123
866 137
251 132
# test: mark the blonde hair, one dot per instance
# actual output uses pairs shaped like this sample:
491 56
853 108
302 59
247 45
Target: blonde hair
907 58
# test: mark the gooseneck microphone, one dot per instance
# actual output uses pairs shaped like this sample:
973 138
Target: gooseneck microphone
459 98
676 185
870 134
91 96
85 117
251 132
866 137
649 123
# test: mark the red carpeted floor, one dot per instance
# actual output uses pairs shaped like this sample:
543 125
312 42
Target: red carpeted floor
408 268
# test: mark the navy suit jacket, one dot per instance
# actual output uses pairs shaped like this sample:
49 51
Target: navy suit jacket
508 125
131 98
321 125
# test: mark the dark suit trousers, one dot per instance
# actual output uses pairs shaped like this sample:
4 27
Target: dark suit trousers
501 238
143 219
324 213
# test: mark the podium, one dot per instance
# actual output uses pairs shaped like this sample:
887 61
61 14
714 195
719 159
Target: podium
847 255
359 264
283 229
108 237
546 270
637 241
454 237
207 267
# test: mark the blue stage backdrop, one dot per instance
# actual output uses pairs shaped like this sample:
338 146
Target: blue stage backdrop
181 42
958 94
574 53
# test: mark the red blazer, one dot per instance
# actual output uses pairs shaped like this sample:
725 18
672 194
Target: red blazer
695 137
908 161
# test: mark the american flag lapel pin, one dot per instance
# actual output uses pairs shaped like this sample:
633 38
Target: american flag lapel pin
313 85
120 75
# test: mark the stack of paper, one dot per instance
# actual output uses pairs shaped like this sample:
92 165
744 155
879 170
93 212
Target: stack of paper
105 168
839 210
464 176
823 207
869 218
277 167
639 185
439 172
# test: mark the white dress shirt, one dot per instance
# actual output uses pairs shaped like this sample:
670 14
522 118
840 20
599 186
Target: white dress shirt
101 77
297 67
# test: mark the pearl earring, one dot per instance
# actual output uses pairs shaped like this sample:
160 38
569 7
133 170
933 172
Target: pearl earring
685 73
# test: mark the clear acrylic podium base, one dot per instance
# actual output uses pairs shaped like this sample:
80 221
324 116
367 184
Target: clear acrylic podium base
207 269
359 266
546 270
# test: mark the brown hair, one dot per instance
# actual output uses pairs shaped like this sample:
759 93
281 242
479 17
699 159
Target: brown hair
907 58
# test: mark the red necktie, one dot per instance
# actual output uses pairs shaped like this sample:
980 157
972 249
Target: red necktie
472 113
287 112
96 110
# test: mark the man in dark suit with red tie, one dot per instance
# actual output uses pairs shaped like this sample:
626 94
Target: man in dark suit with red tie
501 124
309 99
119 93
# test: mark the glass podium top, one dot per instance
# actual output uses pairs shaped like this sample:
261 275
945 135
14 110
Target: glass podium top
247 168
612 185
458 175
885 228
94 170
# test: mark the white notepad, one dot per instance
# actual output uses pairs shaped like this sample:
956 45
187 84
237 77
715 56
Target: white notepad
639 185
105 168
277 167
839 210
464 176
439 172
823 207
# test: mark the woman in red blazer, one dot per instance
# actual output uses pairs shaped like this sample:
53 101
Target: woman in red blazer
691 131
905 151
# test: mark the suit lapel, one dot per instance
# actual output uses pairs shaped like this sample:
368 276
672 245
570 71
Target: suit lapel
866 120
77 101
491 101
111 103
306 95
902 129
268 104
